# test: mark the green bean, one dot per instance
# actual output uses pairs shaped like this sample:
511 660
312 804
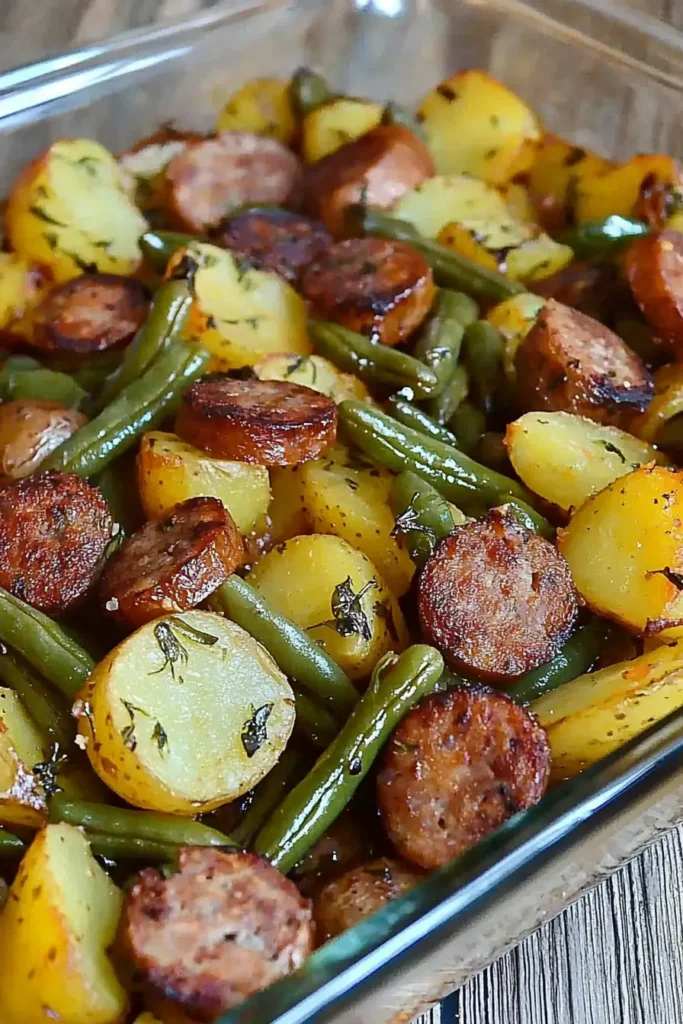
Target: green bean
412 416
483 357
44 645
291 648
438 346
603 238
395 114
19 379
268 794
576 657
529 518
451 270
131 848
312 806
443 407
313 722
165 322
158 246
53 719
120 821
141 407
308 90
93 373
371 361
468 423
10 845
490 450
422 515
118 484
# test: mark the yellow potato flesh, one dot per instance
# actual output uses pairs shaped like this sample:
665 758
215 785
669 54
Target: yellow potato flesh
566 458
618 191
514 318
314 372
624 544
60 919
335 123
588 718
287 515
167 717
22 799
558 169
299 578
170 470
452 197
262 106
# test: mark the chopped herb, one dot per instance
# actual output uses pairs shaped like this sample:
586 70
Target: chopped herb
42 214
89 165
51 238
612 448
128 732
351 483
386 612
254 733
192 633
47 771
103 243
160 738
448 93
349 619
173 651
673 577
87 268
409 521
242 268
211 321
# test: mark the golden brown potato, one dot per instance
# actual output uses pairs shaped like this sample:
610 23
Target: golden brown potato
648 186
333 124
29 430
262 106
22 285
557 170
312 372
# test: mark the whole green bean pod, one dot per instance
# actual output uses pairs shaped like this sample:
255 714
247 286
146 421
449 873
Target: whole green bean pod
268 794
132 848
576 657
438 346
422 515
158 246
44 645
24 377
141 407
451 270
468 423
603 238
314 723
120 821
164 324
311 807
412 416
444 406
299 657
483 356
10 845
308 90
51 716
371 361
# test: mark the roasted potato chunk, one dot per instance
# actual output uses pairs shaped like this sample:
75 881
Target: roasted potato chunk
557 171
263 107
314 372
649 186
335 123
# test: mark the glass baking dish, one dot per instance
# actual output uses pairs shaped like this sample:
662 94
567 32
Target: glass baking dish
606 77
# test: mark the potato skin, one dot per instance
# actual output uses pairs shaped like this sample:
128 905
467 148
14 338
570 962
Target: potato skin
173 564
90 313
269 423
379 288
570 362
54 531
275 240
345 901
29 430
378 168
496 599
458 765
654 267
224 926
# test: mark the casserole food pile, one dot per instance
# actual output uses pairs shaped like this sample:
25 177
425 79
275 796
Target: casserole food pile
340 517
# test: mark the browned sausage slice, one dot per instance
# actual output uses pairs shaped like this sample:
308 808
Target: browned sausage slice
570 362
355 895
379 288
91 313
223 927
274 240
172 564
458 765
377 169
592 288
654 267
31 428
209 178
54 531
268 422
496 599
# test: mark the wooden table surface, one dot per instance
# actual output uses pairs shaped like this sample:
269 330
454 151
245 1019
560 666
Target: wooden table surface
616 955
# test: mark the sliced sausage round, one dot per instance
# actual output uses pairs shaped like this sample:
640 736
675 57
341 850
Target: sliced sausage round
345 901
224 926
210 178
592 288
54 532
570 362
654 267
274 240
459 764
90 313
172 564
379 288
31 428
377 169
267 422
496 599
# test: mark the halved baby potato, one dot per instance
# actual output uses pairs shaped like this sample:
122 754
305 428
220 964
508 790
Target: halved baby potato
624 547
69 210
566 458
170 470
336 594
22 797
335 123
240 314
55 930
188 676
262 106
314 372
